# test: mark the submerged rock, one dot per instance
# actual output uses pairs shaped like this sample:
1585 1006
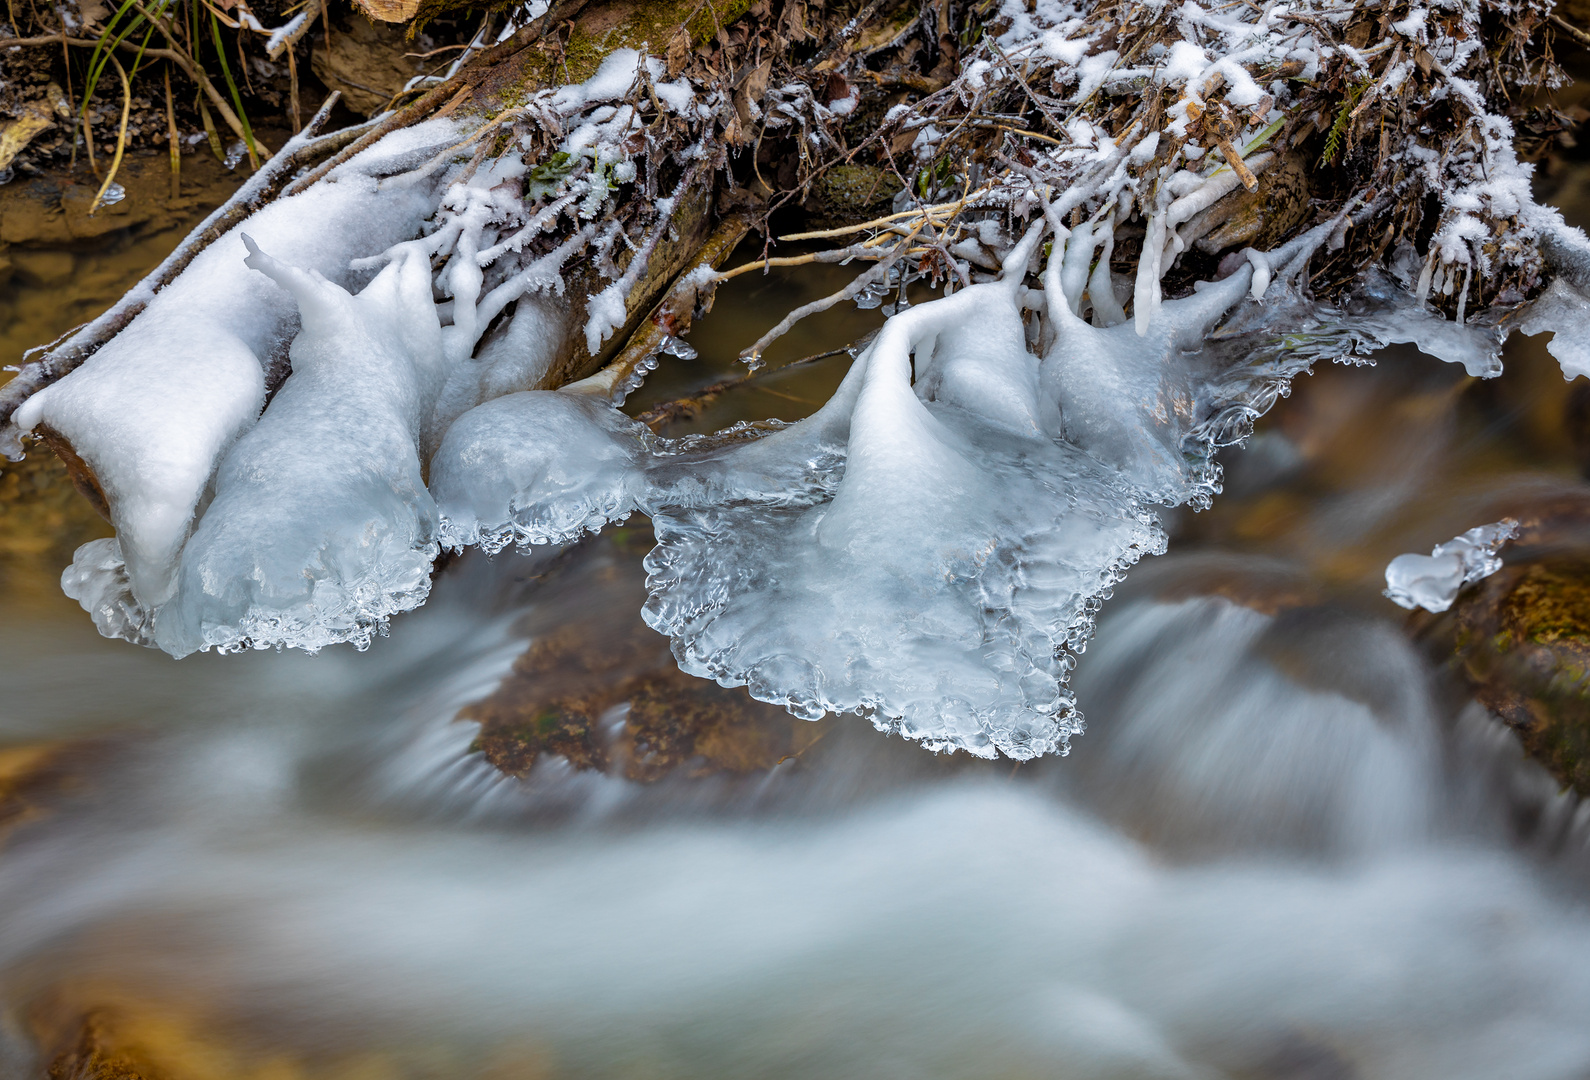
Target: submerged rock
1522 639
851 193
605 693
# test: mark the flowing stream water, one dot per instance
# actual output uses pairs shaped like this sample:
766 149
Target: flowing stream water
1287 848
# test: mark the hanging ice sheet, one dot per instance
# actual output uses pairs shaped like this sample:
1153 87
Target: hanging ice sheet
321 526
930 547
153 411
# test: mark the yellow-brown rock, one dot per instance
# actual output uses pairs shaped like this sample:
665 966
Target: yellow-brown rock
1522 638
567 692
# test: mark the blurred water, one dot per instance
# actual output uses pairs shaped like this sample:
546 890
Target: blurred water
1276 854
1288 848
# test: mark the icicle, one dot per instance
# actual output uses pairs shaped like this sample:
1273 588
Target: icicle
1426 276
1107 310
1074 271
1261 272
1146 293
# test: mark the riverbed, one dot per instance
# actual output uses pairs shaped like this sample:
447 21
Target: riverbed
1288 846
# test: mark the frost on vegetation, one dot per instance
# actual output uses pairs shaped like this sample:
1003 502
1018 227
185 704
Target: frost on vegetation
1433 581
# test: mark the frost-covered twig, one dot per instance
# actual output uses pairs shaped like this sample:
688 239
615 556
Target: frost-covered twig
752 355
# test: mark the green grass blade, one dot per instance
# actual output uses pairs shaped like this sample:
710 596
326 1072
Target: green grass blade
231 87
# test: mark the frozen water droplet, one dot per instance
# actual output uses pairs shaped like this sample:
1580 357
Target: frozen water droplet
1433 581
899 304
677 347
113 194
234 154
872 296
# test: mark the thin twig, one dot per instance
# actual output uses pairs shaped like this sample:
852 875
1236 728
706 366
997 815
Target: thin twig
839 255
173 139
1573 31
686 408
952 208
753 355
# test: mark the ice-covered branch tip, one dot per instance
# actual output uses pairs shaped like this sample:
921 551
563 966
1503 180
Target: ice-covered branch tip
1433 581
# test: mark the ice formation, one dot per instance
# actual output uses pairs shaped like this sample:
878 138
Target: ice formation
1433 581
536 467
153 411
929 548
311 524
321 526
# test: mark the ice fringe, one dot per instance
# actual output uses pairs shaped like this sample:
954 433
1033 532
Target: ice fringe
1433 581
930 547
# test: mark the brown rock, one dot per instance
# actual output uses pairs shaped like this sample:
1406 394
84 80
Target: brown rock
95 1056
1522 638
390 11
366 62
34 117
565 692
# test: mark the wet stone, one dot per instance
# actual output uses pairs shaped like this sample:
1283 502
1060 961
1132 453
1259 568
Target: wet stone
1522 639
604 692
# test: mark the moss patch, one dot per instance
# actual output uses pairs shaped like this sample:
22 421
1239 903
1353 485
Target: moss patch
1522 638
847 194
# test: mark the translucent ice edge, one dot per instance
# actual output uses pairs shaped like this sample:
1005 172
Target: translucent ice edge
1433 581
931 547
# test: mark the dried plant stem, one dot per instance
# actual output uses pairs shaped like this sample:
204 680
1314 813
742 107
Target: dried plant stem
945 209
292 87
839 255
176 54
753 355
173 140
1573 31
121 137
196 73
